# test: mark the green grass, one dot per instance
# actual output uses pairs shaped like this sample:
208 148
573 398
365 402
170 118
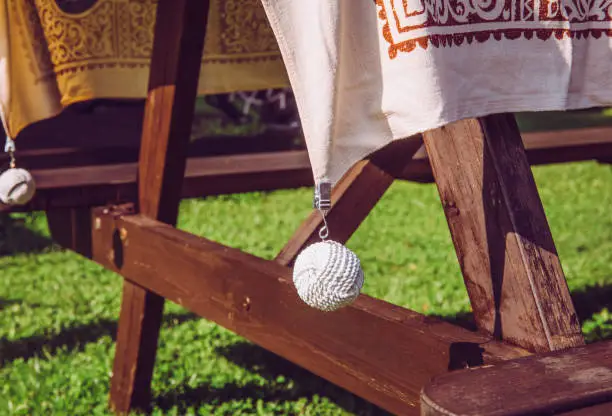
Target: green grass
58 312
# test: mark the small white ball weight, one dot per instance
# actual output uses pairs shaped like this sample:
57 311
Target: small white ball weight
17 186
327 276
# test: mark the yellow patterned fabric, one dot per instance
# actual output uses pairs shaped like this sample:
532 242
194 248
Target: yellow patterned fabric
54 53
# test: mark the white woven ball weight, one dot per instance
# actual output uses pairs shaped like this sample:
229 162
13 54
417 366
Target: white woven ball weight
327 276
17 186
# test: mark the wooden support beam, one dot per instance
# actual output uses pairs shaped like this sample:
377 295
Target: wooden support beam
84 185
90 186
81 153
498 225
175 65
578 381
175 69
379 351
353 197
542 147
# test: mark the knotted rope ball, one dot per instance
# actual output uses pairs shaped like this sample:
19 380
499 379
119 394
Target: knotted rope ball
17 186
327 275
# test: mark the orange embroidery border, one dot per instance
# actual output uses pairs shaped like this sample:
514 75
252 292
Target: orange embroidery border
459 38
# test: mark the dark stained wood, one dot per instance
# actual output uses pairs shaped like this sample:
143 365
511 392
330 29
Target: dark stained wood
500 232
71 228
79 185
175 68
603 409
109 131
175 65
99 185
137 336
575 382
353 197
379 351
543 147
103 153
111 135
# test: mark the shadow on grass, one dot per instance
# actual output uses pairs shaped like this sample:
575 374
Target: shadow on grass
16 238
73 339
591 300
183 400
462 319
588 301
292 383
4 303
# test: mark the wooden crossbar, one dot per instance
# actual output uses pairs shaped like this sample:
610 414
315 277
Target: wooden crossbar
379 351
111 138
99 178
204 176
542 148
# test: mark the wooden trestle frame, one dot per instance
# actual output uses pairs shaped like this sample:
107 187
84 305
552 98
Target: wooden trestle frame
379 351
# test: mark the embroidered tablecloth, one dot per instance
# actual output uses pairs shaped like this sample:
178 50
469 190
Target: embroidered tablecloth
366 72
57 52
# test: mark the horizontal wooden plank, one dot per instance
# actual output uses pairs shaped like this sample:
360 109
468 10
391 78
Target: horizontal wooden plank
100 185
93 185
544 147
552 383
52 153
379 351
58 157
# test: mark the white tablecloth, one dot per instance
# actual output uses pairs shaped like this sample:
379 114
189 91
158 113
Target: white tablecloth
368 72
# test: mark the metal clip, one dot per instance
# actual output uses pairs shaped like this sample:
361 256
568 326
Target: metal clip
9 147
322 196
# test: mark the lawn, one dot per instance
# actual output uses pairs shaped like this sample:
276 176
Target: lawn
58 312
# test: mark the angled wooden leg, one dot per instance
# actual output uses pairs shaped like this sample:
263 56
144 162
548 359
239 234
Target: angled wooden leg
353 197
504 245
176 59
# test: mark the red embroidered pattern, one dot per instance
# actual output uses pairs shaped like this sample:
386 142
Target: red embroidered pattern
411 23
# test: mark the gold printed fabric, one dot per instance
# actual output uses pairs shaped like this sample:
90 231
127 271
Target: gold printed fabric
64 51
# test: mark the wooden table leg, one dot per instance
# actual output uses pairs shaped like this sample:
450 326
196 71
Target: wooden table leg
176 59
353 197
504 245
